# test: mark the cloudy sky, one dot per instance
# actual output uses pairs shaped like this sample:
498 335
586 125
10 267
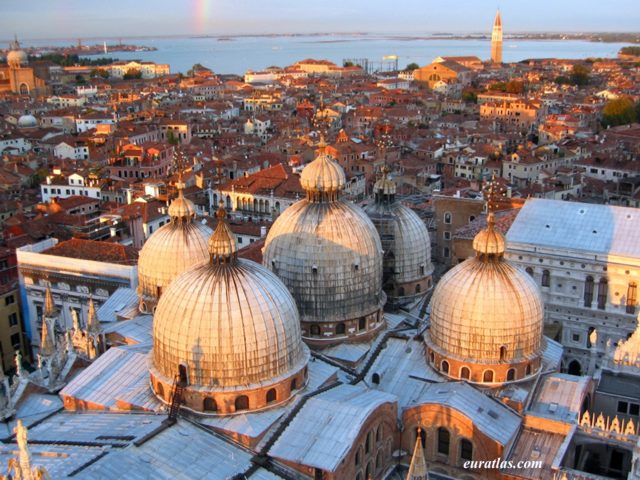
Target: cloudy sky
39 19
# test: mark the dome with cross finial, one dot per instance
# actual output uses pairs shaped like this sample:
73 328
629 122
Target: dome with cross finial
328 253
171 250
486 315
229 331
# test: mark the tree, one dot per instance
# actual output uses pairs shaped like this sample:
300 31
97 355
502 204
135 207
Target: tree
515 86
620 111
80 80
633 51
347 64
579 75
412 66
132 73
470 96
498 87
171 138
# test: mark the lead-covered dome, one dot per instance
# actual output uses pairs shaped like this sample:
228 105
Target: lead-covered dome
17 57
171 250
229 330
407 267
328 254
486 317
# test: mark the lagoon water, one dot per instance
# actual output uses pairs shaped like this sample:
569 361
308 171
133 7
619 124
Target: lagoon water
237 54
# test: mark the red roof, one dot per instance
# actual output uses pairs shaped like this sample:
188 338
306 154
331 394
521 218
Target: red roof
96 251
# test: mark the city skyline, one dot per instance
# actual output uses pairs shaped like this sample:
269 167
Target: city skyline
71 18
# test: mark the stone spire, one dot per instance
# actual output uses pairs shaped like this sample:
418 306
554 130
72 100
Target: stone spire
222 244
93 325
496 39
47 346
49 305
418 467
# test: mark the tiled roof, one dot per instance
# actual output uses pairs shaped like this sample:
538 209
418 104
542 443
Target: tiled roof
96 251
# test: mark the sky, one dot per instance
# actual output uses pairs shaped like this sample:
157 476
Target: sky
52 19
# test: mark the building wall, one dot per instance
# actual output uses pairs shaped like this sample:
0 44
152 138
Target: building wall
563 290
451 214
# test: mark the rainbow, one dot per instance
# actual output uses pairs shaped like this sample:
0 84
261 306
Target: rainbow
201 12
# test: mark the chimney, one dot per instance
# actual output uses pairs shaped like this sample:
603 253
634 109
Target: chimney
263 231
112 231
129 196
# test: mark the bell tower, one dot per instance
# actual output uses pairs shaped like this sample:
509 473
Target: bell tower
496 39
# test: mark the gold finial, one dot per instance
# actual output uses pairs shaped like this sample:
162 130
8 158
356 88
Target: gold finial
493 192
221 214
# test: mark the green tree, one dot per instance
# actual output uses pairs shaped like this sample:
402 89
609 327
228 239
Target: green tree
80 80
132 73
347 64
620 111
171 138
470 96
635 51
579 75
412 66
498 87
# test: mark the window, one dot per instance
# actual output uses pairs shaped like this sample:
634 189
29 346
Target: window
447 218
294 385
9 299
445 252
340 329
488 376
466 449
465 373
576 337
446 235
315 330
511 374
546 278
443 441
445 366
529 270
242 403
271 395
588 291
503 353
209 405
375 379
634 409
622 407
603 286
13 319
632 297
15 340
362 323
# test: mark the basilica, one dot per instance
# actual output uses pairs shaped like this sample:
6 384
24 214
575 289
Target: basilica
337 358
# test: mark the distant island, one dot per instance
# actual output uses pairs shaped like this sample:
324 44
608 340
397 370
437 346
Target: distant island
80 49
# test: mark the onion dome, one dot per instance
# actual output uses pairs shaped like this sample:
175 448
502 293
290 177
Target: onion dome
486 317
323 175
407 267
229 331
172 249
328 254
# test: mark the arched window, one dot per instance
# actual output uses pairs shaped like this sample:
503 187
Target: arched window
503 353
466 449
511 374
418 288
271 395
447 217
528 371
375 378
294 384
367 443
369 470
444 366
341 328
242 403
444 437
465 373
209 405
632 297
487 377
315 330
160 390
546 278
588 291
379 460
574 368
362 323
401 292
603 287
24 89
183 377
529 270
432 357
358 459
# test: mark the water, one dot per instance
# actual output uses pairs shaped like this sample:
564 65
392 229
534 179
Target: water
241 53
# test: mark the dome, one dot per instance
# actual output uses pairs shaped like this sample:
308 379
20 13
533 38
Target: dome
323 174
229 329
486 317
407 266
27 121
328 253
172 249
17 57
